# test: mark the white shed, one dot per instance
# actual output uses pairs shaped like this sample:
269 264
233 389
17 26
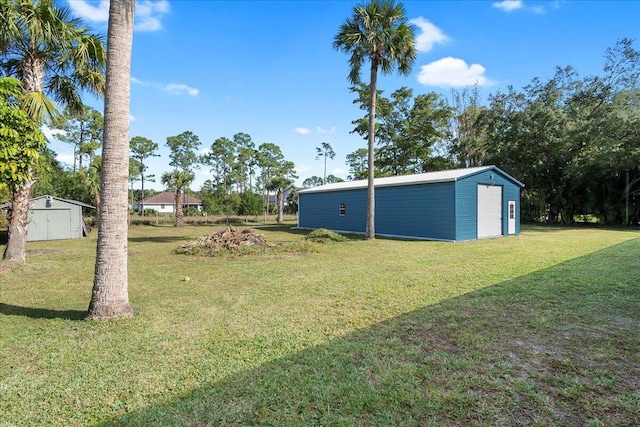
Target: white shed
52 218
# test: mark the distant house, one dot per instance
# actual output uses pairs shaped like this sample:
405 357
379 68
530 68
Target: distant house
53 218
163 202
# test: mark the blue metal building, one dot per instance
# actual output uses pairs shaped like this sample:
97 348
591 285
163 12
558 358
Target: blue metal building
453 205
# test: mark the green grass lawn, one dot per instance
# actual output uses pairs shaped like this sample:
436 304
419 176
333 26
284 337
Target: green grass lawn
540 329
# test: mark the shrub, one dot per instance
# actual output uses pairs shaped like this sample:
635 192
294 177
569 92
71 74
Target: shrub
322 235
191 211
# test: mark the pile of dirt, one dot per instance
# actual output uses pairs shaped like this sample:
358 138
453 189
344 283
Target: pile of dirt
229 239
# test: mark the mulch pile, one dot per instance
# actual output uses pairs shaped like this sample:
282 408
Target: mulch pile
229 238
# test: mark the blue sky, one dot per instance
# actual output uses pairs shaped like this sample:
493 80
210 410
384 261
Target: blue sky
267 68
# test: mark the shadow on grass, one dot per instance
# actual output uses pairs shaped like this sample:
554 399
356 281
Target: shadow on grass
280 228
557 347
4 237
41 313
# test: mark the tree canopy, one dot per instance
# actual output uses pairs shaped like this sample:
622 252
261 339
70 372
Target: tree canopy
573 141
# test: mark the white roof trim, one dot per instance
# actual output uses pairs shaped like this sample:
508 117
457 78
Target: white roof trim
422 178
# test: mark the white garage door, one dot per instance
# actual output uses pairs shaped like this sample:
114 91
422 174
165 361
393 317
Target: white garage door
489 211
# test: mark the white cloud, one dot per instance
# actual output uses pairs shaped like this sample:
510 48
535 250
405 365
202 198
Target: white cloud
331 130
174 88
82 9
508 5
511 5
180 89
429 36
149 13
320 130
453 72
51 133
205 151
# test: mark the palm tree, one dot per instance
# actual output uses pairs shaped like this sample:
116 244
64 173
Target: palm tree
325 150
280 184
379 32
177 180
110 295
56 58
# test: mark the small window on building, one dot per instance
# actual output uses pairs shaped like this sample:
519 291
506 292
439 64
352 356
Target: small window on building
343 209
161 206
512 211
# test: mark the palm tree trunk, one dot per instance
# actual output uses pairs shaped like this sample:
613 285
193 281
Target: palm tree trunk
265 198
131 189
371 202
178 209
280 197
110 296
33 72
17 243
142 195
17 239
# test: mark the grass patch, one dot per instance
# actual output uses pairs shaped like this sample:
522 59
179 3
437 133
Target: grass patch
540 329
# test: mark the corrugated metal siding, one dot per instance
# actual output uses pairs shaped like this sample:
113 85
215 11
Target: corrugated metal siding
467 198
321 210
423 210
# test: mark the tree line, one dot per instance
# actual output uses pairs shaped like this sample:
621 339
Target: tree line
243 174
